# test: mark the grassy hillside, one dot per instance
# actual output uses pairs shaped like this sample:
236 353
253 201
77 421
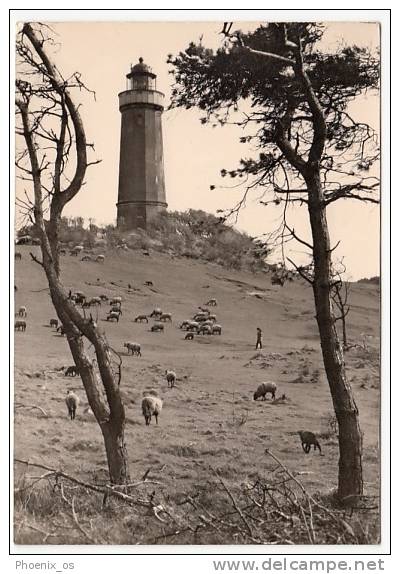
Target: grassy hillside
209 420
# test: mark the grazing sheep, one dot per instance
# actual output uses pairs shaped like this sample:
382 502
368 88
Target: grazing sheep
184 325
193 326
72 402
263 389
76 250
100 259
141 318
204 330
112 316
204 310
17 256
189 336
22 311
278 280
87 258
200 317
54 323
171 378
116 309
216 329
62 252
156 313
151 406
212 318
116 301
165 317
20 325
308 439
149 283
133 348
61 330
212 302
157 327
104 297
72 371
95 301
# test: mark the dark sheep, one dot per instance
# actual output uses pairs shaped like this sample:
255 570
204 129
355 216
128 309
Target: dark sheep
189 337
20 325
157 327
308 439
141 318
72 371
54 323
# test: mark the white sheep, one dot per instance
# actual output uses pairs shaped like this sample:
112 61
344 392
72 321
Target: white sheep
72 402
134 348
22 311
100 259
171 378
151 406
263 389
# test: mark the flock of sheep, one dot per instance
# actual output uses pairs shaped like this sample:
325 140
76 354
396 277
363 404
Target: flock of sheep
203 322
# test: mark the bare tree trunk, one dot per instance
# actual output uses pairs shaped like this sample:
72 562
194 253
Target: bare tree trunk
350 481
110 413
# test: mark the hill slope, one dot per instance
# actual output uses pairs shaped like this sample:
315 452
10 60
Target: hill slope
209 419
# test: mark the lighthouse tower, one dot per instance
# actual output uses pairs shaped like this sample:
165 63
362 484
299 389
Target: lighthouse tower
141 188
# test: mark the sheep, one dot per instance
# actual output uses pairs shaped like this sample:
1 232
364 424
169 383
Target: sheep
100 258
104 297
200 317
193 326
151 406
86 304
307 440
165 317
171 378
17 256
87 258
149 283
20 325
189 336
22 311
134 348
212 318
116 309
61 330
54 323
95 301
71 371
157 327
116 301
212 302
263 389
76 250
156 313
204 330
62 252
112 316
141 318
72 402
216 329
184 325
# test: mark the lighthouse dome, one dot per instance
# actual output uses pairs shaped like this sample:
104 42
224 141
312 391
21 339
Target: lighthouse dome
141 68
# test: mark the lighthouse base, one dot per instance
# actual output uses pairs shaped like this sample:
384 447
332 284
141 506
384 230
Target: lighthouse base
137 214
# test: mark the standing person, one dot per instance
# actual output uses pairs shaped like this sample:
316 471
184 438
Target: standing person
259 339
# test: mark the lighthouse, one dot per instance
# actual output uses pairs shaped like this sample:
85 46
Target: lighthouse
141 186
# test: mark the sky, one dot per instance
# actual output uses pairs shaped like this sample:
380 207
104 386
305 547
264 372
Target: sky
194 154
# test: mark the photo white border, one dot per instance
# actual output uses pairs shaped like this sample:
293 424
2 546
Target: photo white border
235 551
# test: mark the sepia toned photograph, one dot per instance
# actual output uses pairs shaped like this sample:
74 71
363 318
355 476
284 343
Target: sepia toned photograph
197 283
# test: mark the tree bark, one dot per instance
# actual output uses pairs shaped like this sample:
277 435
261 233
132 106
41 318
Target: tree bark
350 482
